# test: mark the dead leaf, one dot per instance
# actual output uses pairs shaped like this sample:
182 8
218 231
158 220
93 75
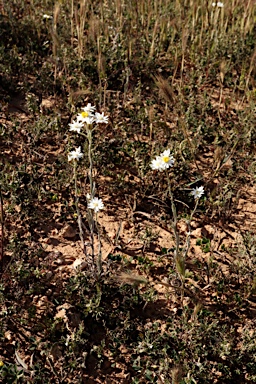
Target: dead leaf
20 361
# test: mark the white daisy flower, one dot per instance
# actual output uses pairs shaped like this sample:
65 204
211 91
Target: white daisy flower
96 204
85 117
100 118
89 108
75 155
167 158
157 164
76 126
197 192
162 162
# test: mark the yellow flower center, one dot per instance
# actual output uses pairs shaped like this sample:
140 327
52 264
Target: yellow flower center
84 114
166 159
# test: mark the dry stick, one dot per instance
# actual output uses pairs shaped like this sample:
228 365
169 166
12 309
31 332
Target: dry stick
2 227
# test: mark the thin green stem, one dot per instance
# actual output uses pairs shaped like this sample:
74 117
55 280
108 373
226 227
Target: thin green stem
99 260
90 215
174 213
179 260
189 230
89 137
79 217
91 224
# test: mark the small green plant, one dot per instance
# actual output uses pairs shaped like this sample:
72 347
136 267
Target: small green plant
162 163
205 244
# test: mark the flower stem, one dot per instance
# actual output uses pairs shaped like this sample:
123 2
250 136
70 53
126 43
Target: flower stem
89 137
189 230
79 217
174 214
178 258
99 259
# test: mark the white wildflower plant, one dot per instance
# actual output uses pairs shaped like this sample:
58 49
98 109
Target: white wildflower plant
163 162
157 164
100 118
197 192
75 155
96 204
84 125
167 158
89 108
76 126
87 117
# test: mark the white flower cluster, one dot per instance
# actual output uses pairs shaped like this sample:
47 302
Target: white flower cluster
162 162
87 116
166 160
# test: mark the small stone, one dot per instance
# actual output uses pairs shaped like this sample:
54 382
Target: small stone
68 232
79 264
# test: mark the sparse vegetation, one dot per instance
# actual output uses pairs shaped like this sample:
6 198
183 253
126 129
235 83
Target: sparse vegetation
159 286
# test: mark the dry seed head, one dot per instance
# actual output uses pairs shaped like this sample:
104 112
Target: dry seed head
76 94
184 38
132 279
223 70
54 33
94 29
151 113
177 374
180 265
218 156
165 89
56 13
197 309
